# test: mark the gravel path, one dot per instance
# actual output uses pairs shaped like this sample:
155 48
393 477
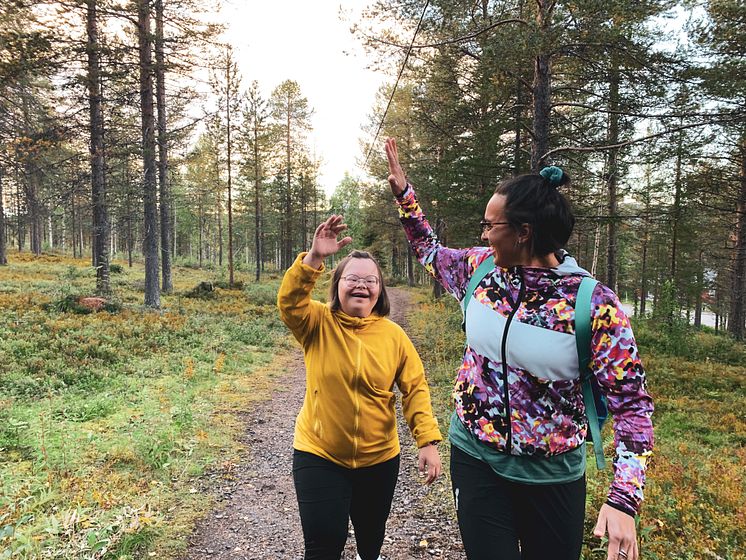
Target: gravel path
258 516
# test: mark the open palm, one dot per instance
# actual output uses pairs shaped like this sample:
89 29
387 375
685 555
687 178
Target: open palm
325 241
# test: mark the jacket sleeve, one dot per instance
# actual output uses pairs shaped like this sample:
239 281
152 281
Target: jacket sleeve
617 367
298 311
416 405
451 267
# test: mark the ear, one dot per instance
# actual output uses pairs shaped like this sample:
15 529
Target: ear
525 231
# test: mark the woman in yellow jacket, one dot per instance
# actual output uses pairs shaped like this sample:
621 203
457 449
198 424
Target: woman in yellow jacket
346 447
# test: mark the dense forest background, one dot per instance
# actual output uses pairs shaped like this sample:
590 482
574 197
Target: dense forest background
127 132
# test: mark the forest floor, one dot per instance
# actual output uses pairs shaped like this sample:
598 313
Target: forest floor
121 431
257 515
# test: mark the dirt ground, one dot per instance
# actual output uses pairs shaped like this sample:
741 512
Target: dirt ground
257 518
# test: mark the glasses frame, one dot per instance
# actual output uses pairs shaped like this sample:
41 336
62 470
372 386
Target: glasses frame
359 279
487 226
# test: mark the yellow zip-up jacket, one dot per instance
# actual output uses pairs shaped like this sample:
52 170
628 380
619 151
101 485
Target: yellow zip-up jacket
352 363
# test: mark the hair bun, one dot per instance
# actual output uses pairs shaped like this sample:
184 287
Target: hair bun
554 175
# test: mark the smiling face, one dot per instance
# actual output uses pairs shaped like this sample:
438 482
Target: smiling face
509 246
358 299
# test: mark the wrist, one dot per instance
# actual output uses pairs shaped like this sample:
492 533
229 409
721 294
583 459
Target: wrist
313 260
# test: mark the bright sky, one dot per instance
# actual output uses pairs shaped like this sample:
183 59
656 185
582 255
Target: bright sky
305 41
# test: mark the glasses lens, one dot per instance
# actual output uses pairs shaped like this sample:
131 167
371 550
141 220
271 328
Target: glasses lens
369 281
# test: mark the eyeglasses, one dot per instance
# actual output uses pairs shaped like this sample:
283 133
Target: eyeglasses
487 226
354 279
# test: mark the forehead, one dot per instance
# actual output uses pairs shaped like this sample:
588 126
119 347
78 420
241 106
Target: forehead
361 267
495 209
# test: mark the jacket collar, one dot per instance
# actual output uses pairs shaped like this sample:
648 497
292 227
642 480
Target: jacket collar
356 322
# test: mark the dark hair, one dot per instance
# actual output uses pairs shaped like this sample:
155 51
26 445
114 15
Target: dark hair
535 200
382 306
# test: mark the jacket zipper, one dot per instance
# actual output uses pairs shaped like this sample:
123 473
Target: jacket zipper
506 393
356 389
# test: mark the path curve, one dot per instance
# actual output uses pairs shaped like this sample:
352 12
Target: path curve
257 517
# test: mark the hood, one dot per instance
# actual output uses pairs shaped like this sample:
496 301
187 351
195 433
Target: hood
536 277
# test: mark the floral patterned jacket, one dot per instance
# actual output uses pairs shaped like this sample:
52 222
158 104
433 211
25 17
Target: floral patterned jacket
518 389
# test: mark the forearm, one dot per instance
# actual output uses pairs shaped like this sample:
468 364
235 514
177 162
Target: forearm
451 267
416 404
294 296
621 376
418 412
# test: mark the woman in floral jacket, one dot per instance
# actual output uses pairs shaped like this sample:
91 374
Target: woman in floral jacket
517 434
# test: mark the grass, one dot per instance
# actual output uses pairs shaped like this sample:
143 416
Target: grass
108 420
695 506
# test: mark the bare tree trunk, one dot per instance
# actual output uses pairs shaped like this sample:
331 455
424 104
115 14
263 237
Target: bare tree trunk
33 207
3 257
150 188
74 228
165 207
700 288
596 247
20 231
542 89
612 177
288 253
676 214
257 204
220 228
100 249
738 270
644 274
230 184
201 232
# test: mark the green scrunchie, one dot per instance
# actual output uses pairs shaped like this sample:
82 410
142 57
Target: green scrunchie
553 174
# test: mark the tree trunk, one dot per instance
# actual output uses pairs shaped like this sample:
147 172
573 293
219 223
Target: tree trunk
3 257
165 207
100 249
676 213
33 207
288 252
20 230
150 191
738 270
612 176
220 228
257 202
230 185
700 289
201 233
644 274
542 89
596 246
73 228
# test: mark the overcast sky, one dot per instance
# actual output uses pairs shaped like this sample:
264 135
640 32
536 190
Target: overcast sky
305 41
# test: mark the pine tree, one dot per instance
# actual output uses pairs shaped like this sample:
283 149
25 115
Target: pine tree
150 192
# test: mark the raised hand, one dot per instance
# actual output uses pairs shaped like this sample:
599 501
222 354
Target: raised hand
325 241
397 179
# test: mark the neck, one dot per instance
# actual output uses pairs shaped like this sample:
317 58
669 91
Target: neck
545 261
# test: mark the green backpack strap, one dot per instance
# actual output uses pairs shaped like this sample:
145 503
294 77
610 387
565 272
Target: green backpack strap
482 270
583 342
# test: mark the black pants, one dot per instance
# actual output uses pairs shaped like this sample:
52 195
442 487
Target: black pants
504 520
329 495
